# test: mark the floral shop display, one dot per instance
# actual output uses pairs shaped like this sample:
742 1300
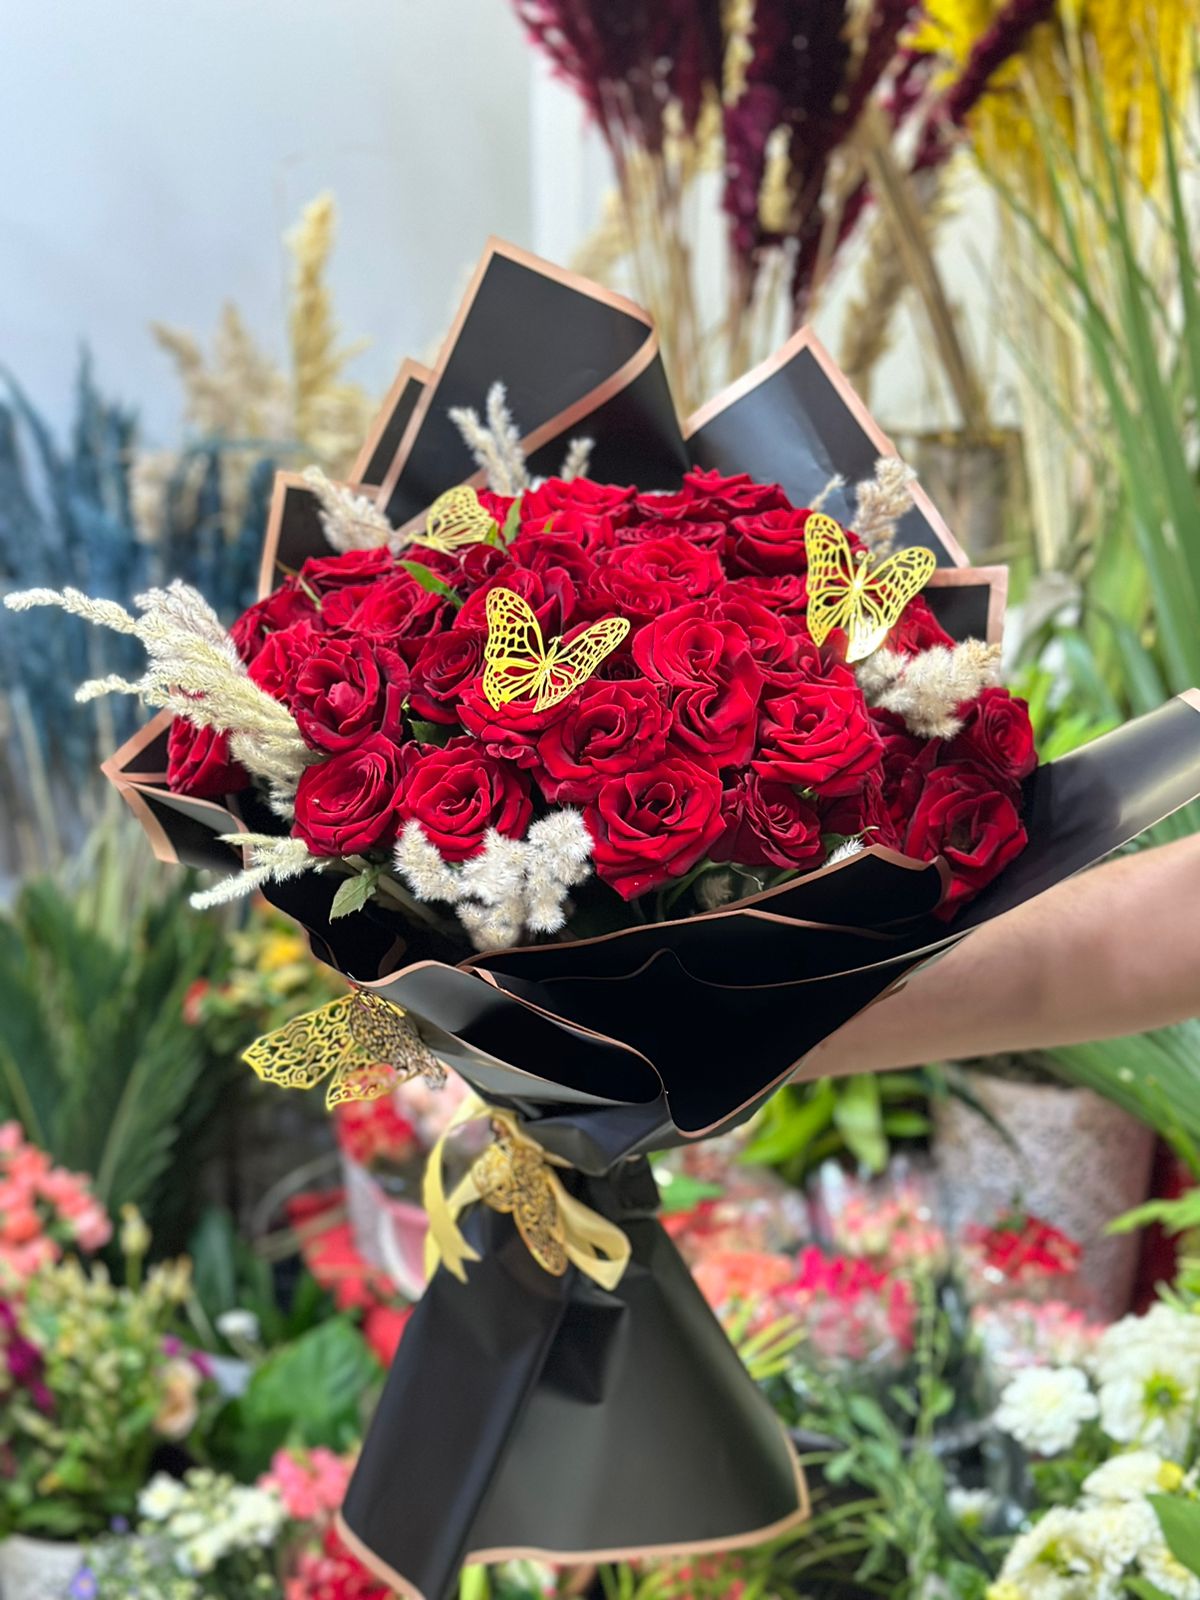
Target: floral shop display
616 794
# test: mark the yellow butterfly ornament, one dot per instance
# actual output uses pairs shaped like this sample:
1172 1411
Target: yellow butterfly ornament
518 662
850 592
456 519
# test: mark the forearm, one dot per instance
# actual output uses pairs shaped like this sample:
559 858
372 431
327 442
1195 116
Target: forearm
1115 951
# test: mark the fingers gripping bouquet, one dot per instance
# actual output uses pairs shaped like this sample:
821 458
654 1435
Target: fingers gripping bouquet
614 779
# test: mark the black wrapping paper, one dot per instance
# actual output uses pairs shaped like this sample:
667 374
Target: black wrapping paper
527 1413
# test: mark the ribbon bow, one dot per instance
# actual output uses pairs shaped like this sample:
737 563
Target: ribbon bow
516 1175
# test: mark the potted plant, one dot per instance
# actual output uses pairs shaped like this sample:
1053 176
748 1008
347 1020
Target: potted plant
92 1383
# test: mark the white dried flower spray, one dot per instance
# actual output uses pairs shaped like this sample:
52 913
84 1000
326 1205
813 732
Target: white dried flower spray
512 887
496 444
881 501
577 459
272 860
350 521
927 689
194 670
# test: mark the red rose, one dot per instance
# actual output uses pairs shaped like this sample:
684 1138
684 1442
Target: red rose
395 611
738 495
606 729
348 803
961 815
510 733
862 816
628 592
448 664
653 825
275 666
779 649
325 574
580 494
347 690
704 535
561 562
459 792
769 543
496 505
546 600
681 570
653 505
820 736
715 685
917 629
786 594
199 762
902 751
768 825
997 735
282 609
591 531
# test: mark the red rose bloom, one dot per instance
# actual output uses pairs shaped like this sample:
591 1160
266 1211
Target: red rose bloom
275 666
786 595
510 733
768 825
714 682
703 535
779 650
546 600
459 792
496 505
997 735
770 544
395 611
960 814
917 629
902 751
820 736
738 495
681 571
606 729
199 762
347 804
539 505
283 609
325 574
448 664
653 825
345 691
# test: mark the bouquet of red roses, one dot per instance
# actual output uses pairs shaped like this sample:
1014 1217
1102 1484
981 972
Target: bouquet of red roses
615 779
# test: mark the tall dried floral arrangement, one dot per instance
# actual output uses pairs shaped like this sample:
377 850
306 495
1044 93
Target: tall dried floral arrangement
1093 76
786 120
240 398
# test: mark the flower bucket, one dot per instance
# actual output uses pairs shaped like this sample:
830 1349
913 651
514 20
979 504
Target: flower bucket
37 1569
1078 1162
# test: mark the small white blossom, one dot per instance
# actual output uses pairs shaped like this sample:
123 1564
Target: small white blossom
1132 1475
1151 1401
160 1497
1043 1408
238 1324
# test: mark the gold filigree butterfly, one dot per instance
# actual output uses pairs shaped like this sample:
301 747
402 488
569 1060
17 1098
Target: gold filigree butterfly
847 591
362 1043
513 1177
456 519
518 662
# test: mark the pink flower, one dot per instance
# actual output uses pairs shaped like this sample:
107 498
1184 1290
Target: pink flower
311 1483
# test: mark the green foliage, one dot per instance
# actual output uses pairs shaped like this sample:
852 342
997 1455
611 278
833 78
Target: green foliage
805 1124
313 1391
228 1274
1180 1523
96 1060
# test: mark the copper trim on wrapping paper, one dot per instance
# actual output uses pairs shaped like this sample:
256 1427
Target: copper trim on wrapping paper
806 339
409 371
996 579
570 280
659 1552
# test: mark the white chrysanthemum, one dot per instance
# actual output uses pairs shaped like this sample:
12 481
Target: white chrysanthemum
1054 1561
1150 1400
1043 1408
1115 1533
970 1507
1131 1476
1166 1572
160 1497
1175 1334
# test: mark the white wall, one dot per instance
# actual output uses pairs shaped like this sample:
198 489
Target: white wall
153 151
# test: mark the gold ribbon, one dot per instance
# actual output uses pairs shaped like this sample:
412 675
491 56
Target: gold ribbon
516 1175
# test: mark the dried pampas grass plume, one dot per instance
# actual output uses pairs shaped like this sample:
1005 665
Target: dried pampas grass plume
927 689
271 860
350 521
496 447
881 501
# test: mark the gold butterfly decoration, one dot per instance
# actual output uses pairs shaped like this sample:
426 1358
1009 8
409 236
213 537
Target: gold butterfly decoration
513 1176
362 1043
849 592
456 519
518 662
